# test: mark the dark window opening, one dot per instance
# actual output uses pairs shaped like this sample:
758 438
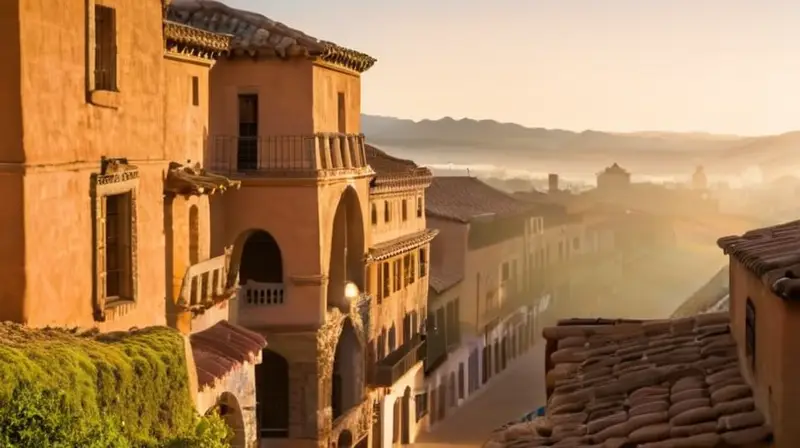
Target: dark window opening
387 212
405 210
423 263
118 246
374 214
419 207
342 112
247 149
750 332
195 91
105 48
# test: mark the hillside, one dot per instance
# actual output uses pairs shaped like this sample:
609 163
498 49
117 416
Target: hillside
724 152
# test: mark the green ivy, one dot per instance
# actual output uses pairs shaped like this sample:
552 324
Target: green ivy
62 390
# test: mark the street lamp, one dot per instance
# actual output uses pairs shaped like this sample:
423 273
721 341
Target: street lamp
351 291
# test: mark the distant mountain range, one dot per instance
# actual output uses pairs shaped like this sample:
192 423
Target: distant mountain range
770 153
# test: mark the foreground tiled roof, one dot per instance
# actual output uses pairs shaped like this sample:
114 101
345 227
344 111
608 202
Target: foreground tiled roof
402 244
254 34
771 253
203 42
649 384
462 199
223 347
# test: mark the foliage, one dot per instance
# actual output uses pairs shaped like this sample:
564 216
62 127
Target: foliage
61 389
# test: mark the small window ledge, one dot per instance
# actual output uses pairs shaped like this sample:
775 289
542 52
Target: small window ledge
104 98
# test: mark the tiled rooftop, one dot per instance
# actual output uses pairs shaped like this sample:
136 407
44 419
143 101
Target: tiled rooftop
391 170
771 253
255 34
462 199
648 384
221 348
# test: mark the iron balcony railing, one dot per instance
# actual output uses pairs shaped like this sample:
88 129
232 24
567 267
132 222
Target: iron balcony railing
391 368
317 154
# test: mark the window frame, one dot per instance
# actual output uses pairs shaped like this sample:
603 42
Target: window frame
116 177
750 332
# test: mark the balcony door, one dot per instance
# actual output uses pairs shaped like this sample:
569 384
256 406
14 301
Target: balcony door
247 141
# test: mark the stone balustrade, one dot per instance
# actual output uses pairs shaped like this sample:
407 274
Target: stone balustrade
261 294
205 282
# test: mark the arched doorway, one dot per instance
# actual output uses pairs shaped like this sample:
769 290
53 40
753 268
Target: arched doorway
345 440
272 395
405 421
347 249
260 269
348 365
231 413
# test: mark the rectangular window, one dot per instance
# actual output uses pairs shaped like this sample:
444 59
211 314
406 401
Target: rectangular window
406 270
105 48
374 214
750 332
419 207
405 210
195 91
387 212
247 149
412 268
505 272
341 107
423 263
118 247
397 275
421 405
385 280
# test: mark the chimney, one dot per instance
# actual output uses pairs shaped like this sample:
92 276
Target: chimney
552 183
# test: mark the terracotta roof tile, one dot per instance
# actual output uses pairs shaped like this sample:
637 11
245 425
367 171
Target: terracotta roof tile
654 384
441 282
772 253
254 34
209 42
221 348
404 243
462 199
393 170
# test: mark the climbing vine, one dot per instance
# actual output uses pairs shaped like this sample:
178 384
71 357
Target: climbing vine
61 389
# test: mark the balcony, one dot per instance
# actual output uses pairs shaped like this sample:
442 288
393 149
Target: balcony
391 368
207 283
323 154
261 294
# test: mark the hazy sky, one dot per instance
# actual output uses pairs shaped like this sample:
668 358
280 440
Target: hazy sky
724 66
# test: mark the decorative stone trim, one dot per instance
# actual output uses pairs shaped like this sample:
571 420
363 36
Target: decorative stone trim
116 177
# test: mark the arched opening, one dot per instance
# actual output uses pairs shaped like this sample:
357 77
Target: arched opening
260 269
347 249
405 409
231 413
194 235
272 395
348 365
345 440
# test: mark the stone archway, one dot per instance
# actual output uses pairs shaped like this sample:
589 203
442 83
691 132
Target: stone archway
258 260
347 378
347 249
231 413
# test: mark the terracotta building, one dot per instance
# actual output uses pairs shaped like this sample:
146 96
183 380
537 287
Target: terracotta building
480 313
106 220
398 275
285 122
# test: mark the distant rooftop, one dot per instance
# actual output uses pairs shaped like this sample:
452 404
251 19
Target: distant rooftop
463 199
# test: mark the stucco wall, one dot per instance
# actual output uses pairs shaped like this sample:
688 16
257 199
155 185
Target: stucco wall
449 248
487 262
328 83
285 90
396 227
414 380
777 352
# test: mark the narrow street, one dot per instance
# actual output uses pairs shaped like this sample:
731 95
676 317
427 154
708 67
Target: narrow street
508 396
